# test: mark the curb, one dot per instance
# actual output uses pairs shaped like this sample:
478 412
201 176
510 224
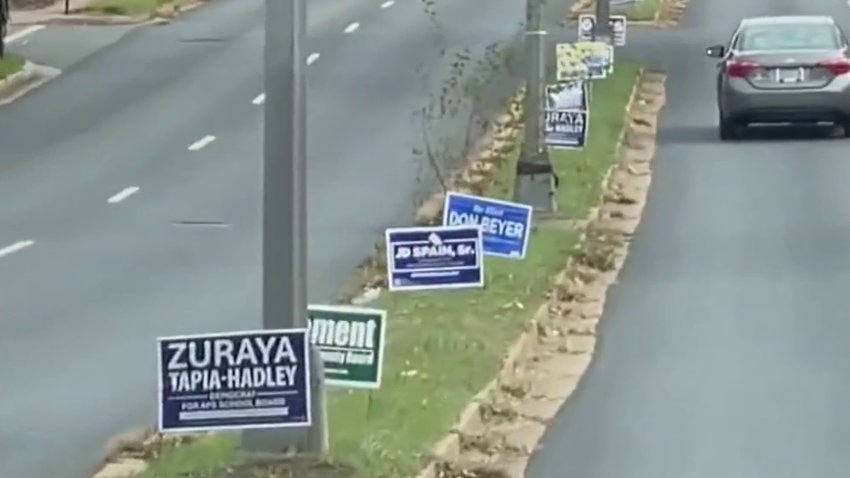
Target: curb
28 79
129 454
449 448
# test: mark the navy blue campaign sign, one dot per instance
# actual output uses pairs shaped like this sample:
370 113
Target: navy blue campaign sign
568 95
566 129
234 381
505 226
440 257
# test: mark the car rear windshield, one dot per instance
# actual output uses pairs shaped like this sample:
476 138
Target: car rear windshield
788 37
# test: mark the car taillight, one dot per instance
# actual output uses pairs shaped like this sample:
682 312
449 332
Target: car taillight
836 66
740 69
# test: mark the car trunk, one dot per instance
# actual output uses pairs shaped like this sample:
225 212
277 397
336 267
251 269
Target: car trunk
790 70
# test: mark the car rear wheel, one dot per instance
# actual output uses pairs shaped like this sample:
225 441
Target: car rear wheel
845 126
728 129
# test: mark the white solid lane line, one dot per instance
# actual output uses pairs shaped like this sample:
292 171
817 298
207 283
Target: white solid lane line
25 32
124 194
312 58
351 28
201 143
20 245
260 99
388 4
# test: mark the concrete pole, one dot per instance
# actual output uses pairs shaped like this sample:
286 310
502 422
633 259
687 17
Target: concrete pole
602 32
535 176
285 213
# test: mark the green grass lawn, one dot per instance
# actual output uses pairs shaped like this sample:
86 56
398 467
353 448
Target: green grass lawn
130 8
9 65
443 347
644 10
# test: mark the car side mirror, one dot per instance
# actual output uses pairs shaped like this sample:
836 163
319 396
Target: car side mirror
716 51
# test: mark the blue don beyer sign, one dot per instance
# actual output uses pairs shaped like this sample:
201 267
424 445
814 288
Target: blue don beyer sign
505 226
234 380
440 257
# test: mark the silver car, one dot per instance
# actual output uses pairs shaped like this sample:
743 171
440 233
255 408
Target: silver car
783 69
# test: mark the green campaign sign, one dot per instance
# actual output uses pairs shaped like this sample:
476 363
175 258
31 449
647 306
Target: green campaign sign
351 343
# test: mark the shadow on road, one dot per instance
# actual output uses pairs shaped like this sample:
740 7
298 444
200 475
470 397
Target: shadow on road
687 135
789 133
709 134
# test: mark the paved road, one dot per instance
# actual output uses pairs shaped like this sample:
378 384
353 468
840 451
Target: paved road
87 284
724 347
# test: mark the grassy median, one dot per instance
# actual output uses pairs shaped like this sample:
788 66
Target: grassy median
644 10
130 8
639 11
443 347
9 65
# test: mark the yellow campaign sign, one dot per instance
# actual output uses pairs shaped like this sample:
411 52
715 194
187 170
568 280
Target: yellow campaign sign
580 60
570 64
598 56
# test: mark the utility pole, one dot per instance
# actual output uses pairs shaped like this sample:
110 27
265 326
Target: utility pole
602 32
535 176
284 233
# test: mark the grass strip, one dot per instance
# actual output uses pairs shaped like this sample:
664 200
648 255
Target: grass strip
644 10
130 8
443 347
9 65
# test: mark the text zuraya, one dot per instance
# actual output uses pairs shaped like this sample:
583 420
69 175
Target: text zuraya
223 363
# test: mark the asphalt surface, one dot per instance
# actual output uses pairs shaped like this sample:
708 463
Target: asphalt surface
90 284
723 351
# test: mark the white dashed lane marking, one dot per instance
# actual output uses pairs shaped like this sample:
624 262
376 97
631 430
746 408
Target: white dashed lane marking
261 98
124 194
23 33
18 246
351 28
388 4
201 143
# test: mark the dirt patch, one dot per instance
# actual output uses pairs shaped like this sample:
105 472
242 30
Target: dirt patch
284 468
130 453
503 427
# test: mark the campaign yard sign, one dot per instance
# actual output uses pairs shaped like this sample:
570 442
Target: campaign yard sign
617 25
351 342
568 95
566 129
505 225
439 257
234 381
598 57
570 63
